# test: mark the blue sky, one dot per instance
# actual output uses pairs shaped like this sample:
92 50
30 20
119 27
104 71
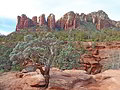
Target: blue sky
10 9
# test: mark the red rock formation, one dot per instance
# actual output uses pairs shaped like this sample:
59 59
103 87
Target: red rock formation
88 18
118 24
51 21
18 23
100 19
82 17
24 22
61 80
60 24
70 20
28 23
34 19
94 19
42 20
78 18
103 23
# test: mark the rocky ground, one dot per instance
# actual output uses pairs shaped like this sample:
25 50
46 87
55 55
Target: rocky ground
100 56
61 80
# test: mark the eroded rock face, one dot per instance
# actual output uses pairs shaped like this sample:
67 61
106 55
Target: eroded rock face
60 24
101 24
23 22
42 20
23 19
70 17
18 23
100 14
70 20
34 19
100 57
118 24
51 21
100 19
28 23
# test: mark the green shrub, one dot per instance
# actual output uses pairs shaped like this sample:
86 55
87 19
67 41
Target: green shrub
68 58
16 68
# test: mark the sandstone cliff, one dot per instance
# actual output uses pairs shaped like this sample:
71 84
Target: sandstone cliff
69 20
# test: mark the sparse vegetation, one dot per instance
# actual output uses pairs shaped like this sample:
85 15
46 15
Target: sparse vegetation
113 62
12 42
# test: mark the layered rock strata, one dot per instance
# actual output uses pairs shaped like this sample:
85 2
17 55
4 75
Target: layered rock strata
69 20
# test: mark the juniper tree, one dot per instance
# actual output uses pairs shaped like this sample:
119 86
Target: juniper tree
41 50
47 50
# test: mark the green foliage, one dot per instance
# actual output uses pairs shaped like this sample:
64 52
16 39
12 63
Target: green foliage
47 49
4 56
1 70
28 38
33 42
16 68
36 49
68 57
88 33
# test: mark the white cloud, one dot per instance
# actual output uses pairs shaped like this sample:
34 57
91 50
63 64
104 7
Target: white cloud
3 32
12 8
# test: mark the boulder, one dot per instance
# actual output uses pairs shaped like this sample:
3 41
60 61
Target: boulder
22 81
35 80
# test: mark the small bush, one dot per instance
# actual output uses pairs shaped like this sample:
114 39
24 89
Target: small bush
68 58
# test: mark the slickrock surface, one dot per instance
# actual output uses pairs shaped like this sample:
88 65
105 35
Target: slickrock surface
61 80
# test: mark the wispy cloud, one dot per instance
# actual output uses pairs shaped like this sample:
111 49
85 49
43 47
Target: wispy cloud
12 8
4 32
7 25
